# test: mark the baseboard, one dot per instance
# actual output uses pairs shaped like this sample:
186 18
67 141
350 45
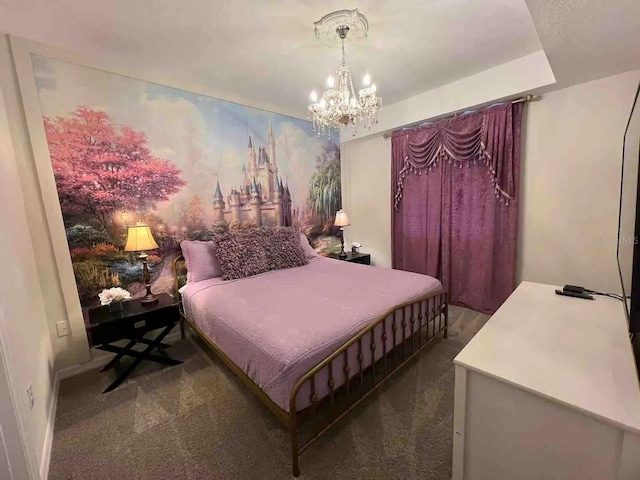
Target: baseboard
48 436
98 361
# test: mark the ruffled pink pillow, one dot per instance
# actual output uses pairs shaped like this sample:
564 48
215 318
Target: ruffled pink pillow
200 259
244 253
241 253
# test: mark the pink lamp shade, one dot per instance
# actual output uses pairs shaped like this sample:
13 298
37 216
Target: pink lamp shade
341 219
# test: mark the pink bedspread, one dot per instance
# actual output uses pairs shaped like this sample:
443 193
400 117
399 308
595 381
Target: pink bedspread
278 325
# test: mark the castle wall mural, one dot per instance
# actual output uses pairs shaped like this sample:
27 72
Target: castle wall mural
126 151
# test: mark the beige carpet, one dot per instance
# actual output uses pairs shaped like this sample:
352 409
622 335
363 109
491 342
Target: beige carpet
197 421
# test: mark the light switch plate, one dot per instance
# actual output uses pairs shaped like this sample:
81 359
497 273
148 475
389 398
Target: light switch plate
63 328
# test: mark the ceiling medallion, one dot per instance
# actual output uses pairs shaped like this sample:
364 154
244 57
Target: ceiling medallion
328 25
339 104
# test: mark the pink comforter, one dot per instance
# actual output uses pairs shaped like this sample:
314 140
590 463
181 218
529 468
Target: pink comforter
278 325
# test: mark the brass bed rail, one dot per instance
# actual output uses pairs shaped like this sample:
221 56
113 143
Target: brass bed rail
351 373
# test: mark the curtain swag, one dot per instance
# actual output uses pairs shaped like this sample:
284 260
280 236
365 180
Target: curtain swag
481 137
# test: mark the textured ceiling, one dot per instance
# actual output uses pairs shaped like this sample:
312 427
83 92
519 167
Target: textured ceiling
259 50
588 39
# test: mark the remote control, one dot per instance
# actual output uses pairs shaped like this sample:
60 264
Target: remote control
574 288
568 293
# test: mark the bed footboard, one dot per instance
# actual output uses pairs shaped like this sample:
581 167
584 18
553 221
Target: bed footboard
331 389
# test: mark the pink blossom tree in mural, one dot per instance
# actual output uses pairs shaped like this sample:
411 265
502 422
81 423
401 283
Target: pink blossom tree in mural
101 167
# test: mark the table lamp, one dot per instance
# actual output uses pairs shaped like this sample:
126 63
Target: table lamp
140 239
341 221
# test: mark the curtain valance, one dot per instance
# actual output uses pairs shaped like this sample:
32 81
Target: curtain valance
484 137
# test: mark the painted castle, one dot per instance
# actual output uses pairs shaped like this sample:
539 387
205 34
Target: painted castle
262 199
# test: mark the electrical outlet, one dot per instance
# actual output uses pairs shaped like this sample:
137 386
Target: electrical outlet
30 394
63 328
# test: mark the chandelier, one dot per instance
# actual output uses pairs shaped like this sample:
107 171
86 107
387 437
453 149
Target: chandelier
339 104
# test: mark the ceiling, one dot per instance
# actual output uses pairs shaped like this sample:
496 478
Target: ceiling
588 39
260 50
265 53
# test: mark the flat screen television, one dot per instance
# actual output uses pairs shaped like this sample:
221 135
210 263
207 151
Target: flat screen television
628 247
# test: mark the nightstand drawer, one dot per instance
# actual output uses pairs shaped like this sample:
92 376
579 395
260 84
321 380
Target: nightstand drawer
101 334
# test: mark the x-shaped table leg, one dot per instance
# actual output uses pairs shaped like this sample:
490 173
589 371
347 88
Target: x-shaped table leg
139 356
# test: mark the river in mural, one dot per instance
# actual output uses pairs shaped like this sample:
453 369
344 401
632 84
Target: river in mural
125 151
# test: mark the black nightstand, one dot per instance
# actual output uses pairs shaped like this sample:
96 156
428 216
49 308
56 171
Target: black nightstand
363 258
132 323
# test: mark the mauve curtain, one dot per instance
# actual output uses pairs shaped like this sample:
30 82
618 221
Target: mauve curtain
455 205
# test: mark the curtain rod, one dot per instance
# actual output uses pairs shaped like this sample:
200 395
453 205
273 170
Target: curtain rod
525 99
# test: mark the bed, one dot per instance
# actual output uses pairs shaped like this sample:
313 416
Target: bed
314 341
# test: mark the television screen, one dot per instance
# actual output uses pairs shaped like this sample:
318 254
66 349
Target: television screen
629 219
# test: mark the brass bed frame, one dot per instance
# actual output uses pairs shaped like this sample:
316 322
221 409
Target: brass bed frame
426 316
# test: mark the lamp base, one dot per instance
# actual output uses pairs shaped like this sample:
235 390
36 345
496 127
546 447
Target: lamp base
342 253
146 278
147 299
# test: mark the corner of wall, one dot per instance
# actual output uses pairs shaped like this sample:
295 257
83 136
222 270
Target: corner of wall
22 108
26 337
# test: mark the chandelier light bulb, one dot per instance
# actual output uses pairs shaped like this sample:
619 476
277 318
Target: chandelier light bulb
373 87
366 81
330 82
323 102
314 96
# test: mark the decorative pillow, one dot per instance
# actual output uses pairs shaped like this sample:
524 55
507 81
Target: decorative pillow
200 259
283 248
309 252
241 253
244 253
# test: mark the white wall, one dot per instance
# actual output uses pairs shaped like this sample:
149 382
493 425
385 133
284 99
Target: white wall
571 183
569 187
13 457
26 345
366 195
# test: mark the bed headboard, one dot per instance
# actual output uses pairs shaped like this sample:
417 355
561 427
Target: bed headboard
179 274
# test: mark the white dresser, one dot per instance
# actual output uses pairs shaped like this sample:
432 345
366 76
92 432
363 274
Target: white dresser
548 389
